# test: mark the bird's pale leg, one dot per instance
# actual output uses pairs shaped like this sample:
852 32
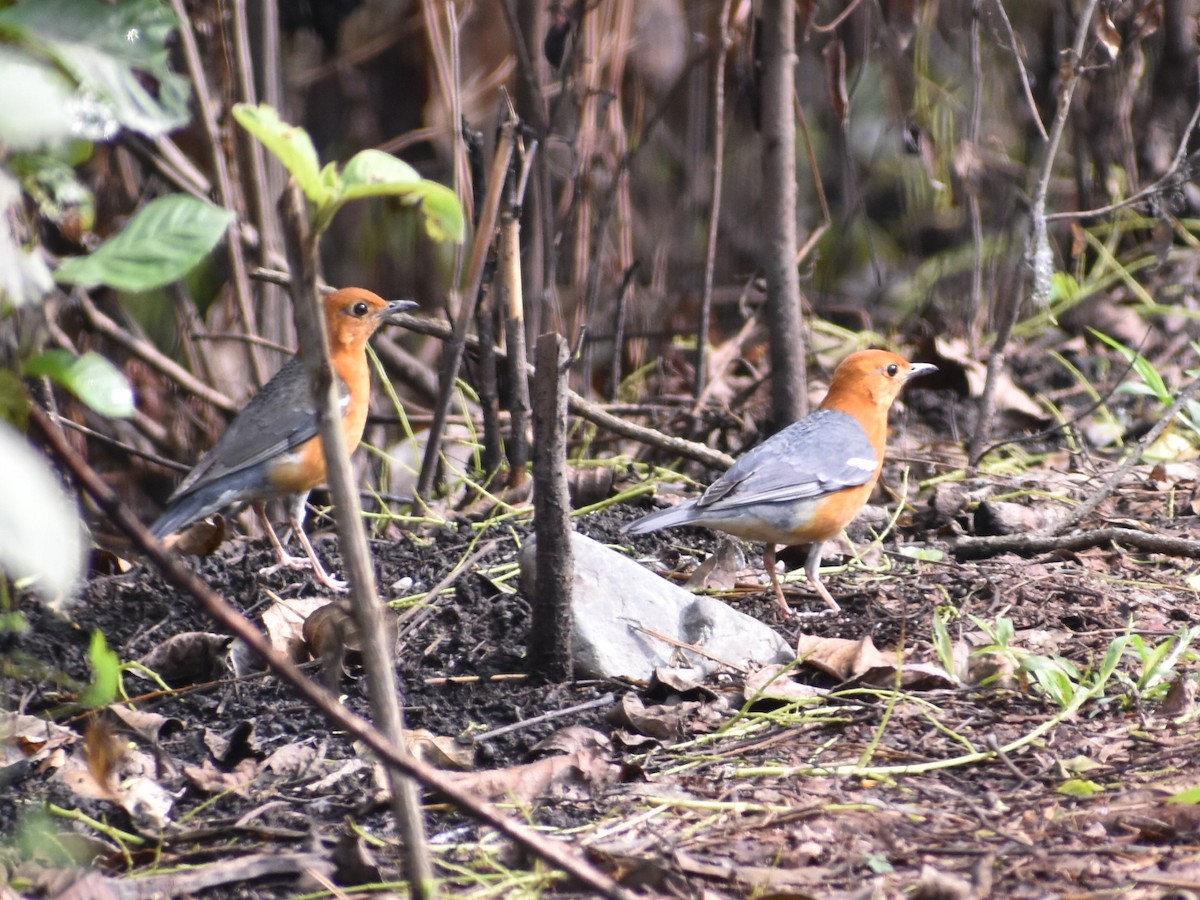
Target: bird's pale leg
769 562
285 559
812 568
296 513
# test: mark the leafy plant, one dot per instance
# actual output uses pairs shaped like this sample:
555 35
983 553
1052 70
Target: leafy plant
106 673
1153 385
73 73
1157 663
369 173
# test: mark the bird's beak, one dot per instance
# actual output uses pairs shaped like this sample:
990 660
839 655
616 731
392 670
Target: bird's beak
916 369
395 307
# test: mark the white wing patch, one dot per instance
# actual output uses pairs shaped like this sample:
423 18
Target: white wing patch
858 462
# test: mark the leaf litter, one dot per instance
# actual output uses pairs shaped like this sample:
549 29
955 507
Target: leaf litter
993 754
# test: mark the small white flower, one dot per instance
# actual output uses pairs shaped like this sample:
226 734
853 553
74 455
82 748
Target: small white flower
132 35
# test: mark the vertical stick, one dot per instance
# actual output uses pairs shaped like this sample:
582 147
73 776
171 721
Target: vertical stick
714 213
789 394
452 351
512 302
549 642
301 245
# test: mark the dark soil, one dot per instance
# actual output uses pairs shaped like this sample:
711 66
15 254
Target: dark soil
767 801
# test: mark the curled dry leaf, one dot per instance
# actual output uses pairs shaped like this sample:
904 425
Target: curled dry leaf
31 738
839 657
284 621
187 658
439 750
201 539
149 726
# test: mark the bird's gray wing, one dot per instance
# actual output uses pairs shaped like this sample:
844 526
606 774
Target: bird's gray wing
277 419
824 452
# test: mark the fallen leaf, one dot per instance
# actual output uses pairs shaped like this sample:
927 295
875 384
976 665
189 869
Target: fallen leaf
187 658
774 683
839 657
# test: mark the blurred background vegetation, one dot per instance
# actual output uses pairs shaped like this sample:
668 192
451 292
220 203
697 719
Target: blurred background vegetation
925 159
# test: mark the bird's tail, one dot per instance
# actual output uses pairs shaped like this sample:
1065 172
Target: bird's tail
682 514
180 514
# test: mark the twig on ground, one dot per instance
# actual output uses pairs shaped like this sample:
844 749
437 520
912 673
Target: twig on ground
544 717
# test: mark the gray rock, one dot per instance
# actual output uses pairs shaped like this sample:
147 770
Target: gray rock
614 597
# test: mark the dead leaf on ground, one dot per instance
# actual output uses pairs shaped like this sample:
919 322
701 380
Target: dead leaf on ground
31 738
719 572
208 778
840 657
149 726
284 622
669 721
294 760
201 539
439 750
578 775
775 683
187 658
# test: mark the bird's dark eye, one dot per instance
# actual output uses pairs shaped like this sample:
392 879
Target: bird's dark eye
892 370
361 308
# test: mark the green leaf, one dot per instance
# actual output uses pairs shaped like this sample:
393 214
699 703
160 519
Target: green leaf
1080 787
373 173
41 536
291 144
91 378
106 47
106 673
1190 797
160 244
443 213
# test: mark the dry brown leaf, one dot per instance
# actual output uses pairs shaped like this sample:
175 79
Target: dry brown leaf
149 726
666 722
718 572
284 622
294 760
574 738
187 658
775 683
579 774
31 738
914 676
208 778
201 539
439 750
840 657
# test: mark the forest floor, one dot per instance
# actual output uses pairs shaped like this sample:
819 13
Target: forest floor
1061 757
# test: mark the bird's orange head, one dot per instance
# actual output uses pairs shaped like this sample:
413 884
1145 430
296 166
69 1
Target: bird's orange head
353 314
865 384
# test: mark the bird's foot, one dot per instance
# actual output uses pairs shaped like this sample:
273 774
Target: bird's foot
323 578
